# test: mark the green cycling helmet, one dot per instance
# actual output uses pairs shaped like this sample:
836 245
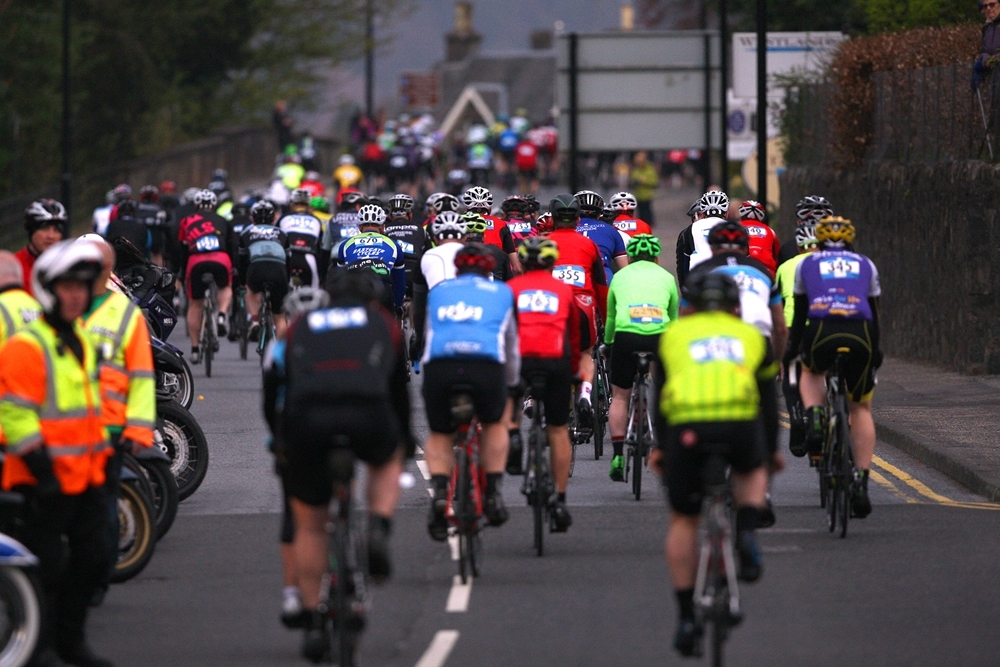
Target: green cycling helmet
474 223
643 244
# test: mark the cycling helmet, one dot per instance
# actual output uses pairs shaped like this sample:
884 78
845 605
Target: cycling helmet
66 260
240 209
643 245
299 196
401 203
544 224
474 258
190 194
371 214
352 199
694 209
835 231
149 193
168 187
446 202
609 213
565 209
729 235
123 191
220 175
514 204
429 202
303 300
45 212
478 197
712 290
533 205
805 236
448 225
538 253
752 210
321 204
205 200
714 203
474 223
589 200
126 208
813 208
346 159
262 213
624 201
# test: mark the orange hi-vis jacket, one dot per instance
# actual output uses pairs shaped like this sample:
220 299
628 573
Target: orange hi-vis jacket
49 399
118 331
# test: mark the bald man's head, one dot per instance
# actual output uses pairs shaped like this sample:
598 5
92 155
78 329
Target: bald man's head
11 273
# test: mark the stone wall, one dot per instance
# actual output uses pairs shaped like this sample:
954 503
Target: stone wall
933 230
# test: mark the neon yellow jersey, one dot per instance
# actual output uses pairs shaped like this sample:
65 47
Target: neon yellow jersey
785 280
713 361
347 175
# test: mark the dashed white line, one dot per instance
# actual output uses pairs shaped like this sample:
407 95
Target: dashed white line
423 468
458 597
439 650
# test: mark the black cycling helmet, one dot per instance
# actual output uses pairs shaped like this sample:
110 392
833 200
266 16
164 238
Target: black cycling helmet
240 209
609 213
712 291
474 258
352 199
262 213
590 202
359 282
729 235
533 205
42 213
538 252
514 204
400 204
565 210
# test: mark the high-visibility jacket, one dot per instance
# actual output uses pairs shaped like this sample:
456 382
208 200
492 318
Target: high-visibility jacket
17 308
49 399
128 384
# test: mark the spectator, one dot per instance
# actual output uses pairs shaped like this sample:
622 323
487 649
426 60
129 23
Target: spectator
644 180
990 44
282 124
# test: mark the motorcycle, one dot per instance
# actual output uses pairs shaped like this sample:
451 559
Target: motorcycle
136 526
153 464
179 436
173 375
20 611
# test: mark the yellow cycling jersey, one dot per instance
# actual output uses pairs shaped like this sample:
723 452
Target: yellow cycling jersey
347 175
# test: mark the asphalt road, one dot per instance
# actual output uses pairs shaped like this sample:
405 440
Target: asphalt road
914 584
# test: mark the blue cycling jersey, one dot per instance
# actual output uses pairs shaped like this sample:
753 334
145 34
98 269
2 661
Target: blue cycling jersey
607 238
377 247
470 317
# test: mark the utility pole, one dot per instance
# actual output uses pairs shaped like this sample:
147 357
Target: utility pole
724 102
706 154
369 59
762 102
67 133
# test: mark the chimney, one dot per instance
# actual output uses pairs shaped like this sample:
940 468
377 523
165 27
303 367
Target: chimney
541 40
627 18
463 41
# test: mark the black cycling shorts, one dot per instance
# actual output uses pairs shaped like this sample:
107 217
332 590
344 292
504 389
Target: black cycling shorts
558 386
623 365
197 289
312 432
684 457
270 274
586 329
820 342
287 534
485 382
302 265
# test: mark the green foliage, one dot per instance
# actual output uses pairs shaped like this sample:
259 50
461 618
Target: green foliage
147 75
799 15
893 15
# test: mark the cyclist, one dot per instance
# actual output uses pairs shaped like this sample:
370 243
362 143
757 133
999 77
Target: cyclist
436 265
609 240
408 234
303 230
202 237
344 223
642 302
764 245
475 229
371 244
347 374
150 213
320 207
760 300
549 331
102 214
808 211
125 225
580 266
837 291
480 200
347 175
472 340
45 221
263 260
717 367
805 239
692 243
516 213
625 204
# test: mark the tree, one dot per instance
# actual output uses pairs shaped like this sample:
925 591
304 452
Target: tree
893 15
800 15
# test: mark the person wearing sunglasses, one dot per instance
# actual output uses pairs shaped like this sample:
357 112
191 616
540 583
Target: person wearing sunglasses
990 44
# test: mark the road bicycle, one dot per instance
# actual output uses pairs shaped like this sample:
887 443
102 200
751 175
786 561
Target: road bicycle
639 436
716 590
836 468
468 482
266 319
209 337
239 328
602 399
538 485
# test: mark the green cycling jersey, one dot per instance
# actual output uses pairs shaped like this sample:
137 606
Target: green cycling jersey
785 279
642 299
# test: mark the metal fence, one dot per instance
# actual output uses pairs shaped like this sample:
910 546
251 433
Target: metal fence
806 123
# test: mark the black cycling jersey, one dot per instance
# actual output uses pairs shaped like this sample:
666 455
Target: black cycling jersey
789 249
261 243
411 239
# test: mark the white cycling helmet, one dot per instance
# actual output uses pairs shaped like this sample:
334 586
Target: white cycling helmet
66 260
624 201
346 159
478 197
805 236
446 202
303 300
752 210
448 225
206 200
371 214
714 203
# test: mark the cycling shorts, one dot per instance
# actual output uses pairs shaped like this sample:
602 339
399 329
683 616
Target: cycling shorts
373 437
623 365
820 342
685 456
272 275
486 384
302 265
558 386
529 174
216 264
588 320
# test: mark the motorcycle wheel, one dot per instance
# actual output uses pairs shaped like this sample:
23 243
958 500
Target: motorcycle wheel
162 489
184 443
176 386
20 617
136 533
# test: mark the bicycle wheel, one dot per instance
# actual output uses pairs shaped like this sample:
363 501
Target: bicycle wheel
539 499
208 340
846 466
719 632
462 511
244 339
640 439
833 482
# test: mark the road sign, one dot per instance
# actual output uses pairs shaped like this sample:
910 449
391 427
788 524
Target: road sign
787 53
419 90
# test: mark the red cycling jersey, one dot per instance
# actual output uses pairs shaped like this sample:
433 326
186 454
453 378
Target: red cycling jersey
548 321
580 266
498 235
764 245
632 225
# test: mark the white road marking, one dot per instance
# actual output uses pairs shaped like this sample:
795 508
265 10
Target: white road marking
787 531
439 650
423 468
458 597
787 549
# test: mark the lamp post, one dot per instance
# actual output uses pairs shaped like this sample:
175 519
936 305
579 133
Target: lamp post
66 192
762 102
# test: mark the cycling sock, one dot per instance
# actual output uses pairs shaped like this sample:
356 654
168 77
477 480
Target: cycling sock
514 434
618 445
493 482
585 389
561 497
747 518
382 522
194 349
685 598
440 485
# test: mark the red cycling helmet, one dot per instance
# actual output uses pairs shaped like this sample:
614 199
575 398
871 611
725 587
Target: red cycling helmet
545 224
474 258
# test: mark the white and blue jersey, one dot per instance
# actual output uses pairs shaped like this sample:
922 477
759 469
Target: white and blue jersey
608 239
375 247
471 317
758 292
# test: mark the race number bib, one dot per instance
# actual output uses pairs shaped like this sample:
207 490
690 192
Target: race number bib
208 243
538 301
645 313
571 275
521 227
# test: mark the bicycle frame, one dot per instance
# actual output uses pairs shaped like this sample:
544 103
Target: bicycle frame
639 434
837 465
468 481
266 319
538 485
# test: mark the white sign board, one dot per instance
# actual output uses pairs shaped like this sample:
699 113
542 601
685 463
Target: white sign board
640 90
787 53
